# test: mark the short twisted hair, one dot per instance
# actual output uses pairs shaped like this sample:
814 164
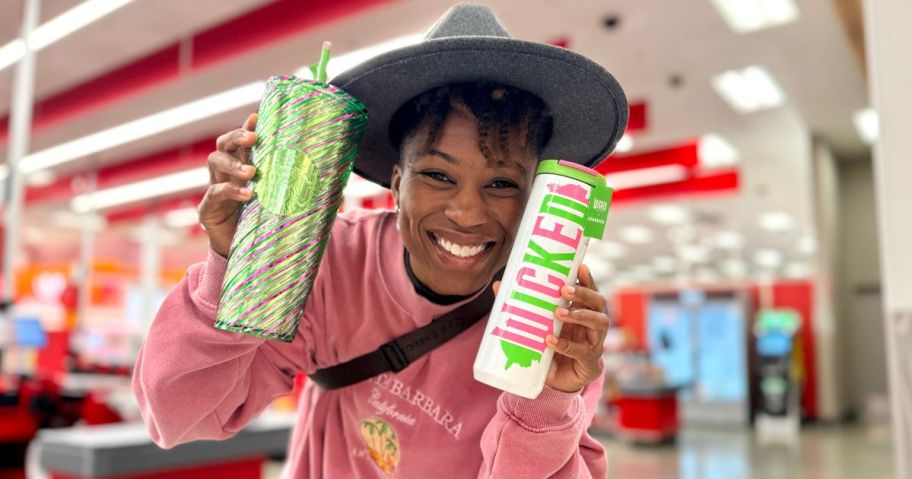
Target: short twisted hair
497 109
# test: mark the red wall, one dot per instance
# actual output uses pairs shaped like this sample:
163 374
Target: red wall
630 309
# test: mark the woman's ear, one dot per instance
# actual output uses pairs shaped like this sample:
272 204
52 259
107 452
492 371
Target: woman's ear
395 183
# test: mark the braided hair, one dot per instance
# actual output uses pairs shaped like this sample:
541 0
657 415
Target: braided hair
497 109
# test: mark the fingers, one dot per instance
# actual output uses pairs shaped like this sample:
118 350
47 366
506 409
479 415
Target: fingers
496 287
235 139
228 192
232 153
250 122
584 276
224 167
585 355
595 323
584 297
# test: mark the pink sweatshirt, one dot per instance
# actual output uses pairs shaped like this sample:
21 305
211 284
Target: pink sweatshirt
430 420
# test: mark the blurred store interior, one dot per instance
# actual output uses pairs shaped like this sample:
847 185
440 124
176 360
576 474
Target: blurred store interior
756 254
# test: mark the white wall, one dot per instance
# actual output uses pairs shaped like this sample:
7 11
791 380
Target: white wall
829 362
860 315
888 38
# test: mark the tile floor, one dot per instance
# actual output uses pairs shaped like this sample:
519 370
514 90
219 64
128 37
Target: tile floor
822 452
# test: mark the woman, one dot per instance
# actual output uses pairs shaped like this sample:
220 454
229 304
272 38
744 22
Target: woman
460 160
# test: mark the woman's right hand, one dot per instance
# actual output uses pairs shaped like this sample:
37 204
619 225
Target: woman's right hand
229 172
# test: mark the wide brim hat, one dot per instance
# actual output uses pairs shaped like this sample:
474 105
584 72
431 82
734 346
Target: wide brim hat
468 43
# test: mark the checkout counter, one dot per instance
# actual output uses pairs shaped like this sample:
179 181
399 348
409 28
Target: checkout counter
125 451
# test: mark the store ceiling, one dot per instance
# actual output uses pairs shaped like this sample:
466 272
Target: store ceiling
664 52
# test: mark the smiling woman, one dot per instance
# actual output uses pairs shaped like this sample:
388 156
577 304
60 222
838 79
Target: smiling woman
457 126
468 153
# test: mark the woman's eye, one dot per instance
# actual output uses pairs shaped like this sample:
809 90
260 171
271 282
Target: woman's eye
503 184
436 175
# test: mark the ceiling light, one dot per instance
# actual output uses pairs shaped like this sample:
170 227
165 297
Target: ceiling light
72 20
623 279
748 90
187 180
642 272
212 105
776 222
669 214
734 267
143 127
601 270
664 264
807 245
636 234
624 145
706 275
768 258
868 125
351 59
715 152
744 16
39 178
693 253
608 249
59 27
729 240
797 270
92 222
11 53
181 218
682 234
646 177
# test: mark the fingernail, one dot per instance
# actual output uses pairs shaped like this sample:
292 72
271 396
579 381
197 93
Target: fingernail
246 191
570 289
246 168
562 311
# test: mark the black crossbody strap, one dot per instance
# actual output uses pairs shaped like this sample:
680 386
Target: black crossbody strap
397 354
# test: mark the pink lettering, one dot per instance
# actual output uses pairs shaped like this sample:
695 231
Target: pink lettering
524 327
544 321
535 345
556 281
555 233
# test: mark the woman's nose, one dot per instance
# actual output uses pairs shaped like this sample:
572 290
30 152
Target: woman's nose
467 209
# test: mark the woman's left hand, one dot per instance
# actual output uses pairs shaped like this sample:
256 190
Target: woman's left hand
578 350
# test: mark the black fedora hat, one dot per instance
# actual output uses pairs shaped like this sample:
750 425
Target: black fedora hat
468 44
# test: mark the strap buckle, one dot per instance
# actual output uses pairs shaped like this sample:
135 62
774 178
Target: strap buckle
395 356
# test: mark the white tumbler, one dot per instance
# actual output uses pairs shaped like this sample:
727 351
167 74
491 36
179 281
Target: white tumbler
567 206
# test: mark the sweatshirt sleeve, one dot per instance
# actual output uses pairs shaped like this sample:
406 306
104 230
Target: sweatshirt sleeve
544 437
193 381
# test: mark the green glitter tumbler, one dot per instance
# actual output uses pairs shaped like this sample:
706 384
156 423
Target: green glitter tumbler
307 138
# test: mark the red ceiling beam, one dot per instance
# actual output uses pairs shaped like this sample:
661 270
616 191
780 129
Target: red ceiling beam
247 32
718 182
137 211
684 155
136 169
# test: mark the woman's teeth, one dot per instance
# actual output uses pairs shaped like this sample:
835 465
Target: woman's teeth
459 250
